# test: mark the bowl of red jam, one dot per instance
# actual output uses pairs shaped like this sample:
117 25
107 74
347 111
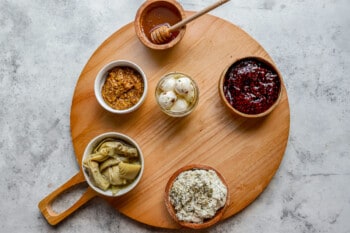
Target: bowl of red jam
153 13
251 87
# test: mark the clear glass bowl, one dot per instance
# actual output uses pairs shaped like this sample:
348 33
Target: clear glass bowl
173 108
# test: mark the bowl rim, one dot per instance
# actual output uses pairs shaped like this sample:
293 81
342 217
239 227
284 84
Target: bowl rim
228 105
183 113
219 214
100 79
138 26
93 143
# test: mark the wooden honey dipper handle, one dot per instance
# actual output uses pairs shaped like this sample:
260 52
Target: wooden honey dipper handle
196 15
162 33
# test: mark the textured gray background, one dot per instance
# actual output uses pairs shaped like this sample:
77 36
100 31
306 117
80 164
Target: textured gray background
44 46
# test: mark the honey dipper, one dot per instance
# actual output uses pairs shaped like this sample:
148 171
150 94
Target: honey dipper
161 33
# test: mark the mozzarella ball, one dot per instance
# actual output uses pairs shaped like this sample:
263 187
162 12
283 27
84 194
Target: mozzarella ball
183 86
167 99
190 96
180 105
168 84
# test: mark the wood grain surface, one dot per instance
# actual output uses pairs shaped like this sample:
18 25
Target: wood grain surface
247 152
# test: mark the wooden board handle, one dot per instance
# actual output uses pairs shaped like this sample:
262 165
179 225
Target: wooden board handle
45 204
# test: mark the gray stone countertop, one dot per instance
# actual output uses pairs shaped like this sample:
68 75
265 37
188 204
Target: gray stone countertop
44 46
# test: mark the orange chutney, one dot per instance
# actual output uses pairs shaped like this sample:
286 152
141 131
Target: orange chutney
159 15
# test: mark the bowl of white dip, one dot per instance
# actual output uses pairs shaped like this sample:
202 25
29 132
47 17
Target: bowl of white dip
196 196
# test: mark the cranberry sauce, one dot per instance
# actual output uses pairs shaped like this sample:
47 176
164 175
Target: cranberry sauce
251 86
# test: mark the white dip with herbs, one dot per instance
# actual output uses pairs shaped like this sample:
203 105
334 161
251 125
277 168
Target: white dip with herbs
197 194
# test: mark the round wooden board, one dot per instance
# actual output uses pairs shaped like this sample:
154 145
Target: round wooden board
247 152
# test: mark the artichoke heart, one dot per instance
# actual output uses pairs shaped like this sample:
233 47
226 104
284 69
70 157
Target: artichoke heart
120 148
129 171
98 157
99 180
109 163
113 176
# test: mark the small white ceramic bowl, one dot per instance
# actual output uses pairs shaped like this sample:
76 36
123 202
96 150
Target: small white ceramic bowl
100 80
88 150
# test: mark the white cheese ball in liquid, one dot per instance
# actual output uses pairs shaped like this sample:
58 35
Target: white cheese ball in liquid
190 96
167 99
168 84
183 86
180 105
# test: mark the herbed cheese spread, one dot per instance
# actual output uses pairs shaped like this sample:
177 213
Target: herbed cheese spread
197 194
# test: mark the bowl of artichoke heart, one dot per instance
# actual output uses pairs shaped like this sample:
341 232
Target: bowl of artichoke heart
196 196
112 164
